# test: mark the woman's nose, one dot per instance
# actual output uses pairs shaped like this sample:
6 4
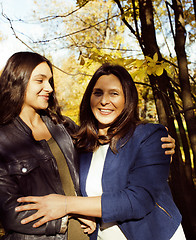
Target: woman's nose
105 99
48 87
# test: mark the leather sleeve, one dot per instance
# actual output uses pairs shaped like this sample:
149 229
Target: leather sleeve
10 219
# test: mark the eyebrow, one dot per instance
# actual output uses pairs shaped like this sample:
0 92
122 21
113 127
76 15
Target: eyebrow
41 75
112 89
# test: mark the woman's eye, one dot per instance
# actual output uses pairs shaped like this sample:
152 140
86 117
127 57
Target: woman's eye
39 80
114 94
97 93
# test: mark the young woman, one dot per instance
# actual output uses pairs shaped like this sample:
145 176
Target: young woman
123 169
34 142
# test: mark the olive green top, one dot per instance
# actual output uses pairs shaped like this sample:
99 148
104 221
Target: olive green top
74 230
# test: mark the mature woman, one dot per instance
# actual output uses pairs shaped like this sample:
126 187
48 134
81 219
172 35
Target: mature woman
34 142
123 169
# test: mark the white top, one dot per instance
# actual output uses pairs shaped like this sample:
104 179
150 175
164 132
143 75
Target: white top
107 231
179 234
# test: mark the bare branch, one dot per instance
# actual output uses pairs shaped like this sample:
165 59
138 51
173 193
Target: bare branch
44 19
11 26
109 48
122 13
78 31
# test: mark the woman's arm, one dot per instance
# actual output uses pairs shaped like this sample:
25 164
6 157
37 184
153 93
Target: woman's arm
55 206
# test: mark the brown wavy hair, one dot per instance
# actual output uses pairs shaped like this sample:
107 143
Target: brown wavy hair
13 84
87 138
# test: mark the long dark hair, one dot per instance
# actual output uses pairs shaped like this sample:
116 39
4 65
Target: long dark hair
87 138
13 84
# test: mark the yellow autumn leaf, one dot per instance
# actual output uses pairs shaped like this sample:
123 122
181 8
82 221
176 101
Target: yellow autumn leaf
155 57
159 70
149 59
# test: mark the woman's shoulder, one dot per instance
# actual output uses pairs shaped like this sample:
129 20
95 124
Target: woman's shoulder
149 126
145 130
6 127
70 125
142 132
66 122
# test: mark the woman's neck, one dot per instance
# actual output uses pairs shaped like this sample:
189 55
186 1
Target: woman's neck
103 131
36 124
31 118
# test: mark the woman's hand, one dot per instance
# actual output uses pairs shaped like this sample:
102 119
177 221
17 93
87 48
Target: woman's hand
169 143
48 208
89 224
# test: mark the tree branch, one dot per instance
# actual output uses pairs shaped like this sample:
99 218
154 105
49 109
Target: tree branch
48 18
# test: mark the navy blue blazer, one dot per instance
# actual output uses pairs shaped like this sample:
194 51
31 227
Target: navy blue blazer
135 186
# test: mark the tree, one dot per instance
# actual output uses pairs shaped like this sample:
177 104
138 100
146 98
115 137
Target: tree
94 32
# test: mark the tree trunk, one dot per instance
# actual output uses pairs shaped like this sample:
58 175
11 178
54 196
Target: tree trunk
194 5
187 100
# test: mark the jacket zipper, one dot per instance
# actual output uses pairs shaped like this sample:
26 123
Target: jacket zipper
163 210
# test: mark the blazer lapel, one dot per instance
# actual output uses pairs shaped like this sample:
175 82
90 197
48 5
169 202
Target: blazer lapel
85 161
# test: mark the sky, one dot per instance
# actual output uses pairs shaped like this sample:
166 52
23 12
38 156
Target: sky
16 10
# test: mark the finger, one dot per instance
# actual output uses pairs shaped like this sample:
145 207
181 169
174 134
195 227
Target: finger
83 226
89 231
168 145
28 199
26 207
86 230
166 139
169 152
31 218
40 222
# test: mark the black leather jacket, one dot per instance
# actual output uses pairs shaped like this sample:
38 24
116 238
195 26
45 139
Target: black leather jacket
27 167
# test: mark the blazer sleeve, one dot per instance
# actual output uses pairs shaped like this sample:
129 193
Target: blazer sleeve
10 219
146 179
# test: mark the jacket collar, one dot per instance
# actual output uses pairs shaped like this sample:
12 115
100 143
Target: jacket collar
21 125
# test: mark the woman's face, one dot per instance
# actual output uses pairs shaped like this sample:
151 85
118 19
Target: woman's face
107 101
38 88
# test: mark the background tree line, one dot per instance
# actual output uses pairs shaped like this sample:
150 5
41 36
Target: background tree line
154 40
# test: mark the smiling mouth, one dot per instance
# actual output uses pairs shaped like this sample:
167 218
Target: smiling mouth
46 97
105 111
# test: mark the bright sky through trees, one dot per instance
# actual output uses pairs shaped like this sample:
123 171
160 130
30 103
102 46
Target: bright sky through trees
18 11
9 44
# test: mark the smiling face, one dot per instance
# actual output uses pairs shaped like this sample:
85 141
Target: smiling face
38 89
107 101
